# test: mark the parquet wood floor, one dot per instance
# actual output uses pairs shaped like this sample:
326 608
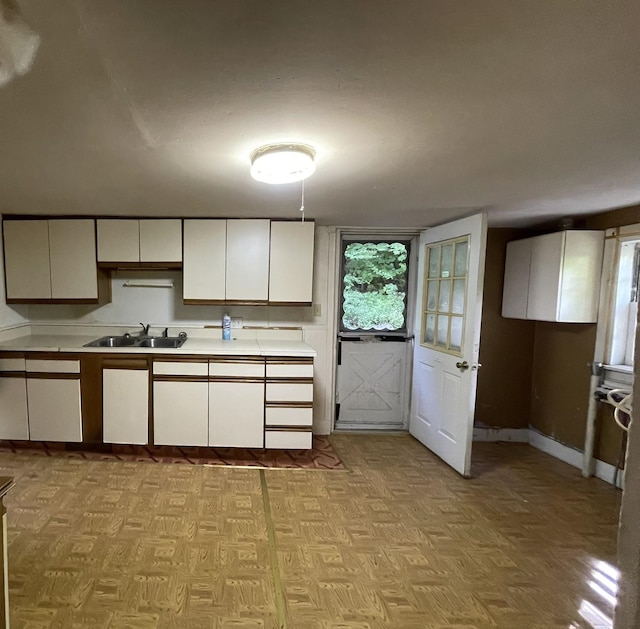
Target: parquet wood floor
399 541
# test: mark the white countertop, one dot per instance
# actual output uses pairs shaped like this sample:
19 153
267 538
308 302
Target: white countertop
193 345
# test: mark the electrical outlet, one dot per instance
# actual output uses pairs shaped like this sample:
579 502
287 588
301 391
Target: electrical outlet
317 310
236 323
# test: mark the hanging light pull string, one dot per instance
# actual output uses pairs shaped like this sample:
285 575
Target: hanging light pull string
302 202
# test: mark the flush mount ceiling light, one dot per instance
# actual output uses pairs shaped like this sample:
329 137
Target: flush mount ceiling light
282 163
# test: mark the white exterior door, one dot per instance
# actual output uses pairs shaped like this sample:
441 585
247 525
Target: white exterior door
447 338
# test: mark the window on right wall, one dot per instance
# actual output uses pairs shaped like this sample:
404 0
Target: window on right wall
622 329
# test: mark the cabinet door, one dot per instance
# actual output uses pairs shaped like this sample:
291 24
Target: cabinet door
515 296
14 422
54 409
125 406
247 260
581 272
26 256
291 262
74 273
180 413
236 414
160 240
204 265
544 279
118 240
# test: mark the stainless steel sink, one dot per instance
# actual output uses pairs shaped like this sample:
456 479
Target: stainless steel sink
113 341
126 340
162 341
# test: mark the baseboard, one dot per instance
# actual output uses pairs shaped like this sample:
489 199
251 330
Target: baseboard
517 435
573 456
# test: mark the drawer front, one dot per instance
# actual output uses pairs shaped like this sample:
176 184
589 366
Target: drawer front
296 439
53 366
282 416
12 364
180 369
290 371
285 392
237 370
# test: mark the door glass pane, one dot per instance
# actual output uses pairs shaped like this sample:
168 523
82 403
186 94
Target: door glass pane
434 261
443 329
430 328
432 294
460 265
445 285
374 283
445 296
457 303
447 258
455 342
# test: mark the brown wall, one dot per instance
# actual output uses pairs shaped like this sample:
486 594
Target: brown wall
560 380
506 348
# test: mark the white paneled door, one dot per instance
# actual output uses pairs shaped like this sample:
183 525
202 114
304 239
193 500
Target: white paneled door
447 338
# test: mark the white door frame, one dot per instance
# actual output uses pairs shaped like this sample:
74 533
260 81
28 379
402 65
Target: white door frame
382 233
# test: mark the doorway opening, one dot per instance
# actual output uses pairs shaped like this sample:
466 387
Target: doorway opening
374 349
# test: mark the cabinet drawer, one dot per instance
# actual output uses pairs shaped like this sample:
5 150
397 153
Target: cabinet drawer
53 366
289 392
180 369
12 364
282 416
233 369
297 439
290 370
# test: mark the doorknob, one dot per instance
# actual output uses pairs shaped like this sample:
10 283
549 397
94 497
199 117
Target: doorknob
462 366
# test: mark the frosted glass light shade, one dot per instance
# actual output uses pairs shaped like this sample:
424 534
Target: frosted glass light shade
282 163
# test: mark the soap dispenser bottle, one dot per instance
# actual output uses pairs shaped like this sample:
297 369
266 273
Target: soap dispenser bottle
226 328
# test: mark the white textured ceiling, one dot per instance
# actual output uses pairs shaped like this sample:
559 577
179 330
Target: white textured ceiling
420 110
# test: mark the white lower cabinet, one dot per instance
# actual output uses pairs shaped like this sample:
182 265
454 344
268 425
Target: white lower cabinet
55 410
180 403
125 405
54 399
236 414
14 420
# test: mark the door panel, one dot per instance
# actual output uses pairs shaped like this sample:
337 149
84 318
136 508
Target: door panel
447 333
371 384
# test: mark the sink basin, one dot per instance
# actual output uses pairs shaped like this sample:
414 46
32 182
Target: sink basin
126 340
161 341
113 341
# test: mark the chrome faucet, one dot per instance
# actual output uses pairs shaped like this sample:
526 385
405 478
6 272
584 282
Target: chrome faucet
145 329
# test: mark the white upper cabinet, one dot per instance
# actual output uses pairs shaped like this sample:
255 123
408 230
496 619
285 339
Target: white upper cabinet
555 276
26 257
118 240
144 240
291 262
516 279
161 240
205 259
50 259
73 276
247 272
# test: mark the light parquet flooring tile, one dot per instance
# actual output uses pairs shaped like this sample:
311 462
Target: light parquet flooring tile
398 542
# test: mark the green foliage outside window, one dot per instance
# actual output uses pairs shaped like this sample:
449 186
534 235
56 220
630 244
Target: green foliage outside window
375 285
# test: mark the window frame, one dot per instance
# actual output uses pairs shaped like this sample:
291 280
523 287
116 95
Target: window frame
403 332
